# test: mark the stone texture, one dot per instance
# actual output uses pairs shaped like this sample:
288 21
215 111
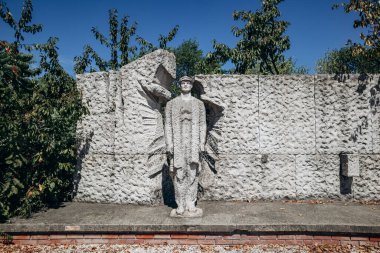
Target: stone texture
270 137
374 101
345 119
97 91
96 179
287 116
317 176
123 131
350 165
98 133
239 177
247 177
237 131
136 183
376 133
138 110
367 186
279 177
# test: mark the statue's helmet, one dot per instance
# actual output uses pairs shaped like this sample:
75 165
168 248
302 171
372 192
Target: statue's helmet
186 78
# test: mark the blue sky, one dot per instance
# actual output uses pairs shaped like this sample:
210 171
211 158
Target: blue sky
314 27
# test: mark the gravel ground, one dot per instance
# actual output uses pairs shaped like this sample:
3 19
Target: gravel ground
103 248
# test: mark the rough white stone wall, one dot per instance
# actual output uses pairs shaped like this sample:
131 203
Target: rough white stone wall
122 122
285 135
278 137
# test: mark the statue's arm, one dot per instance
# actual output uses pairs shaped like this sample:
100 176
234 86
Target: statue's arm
202 126
168 128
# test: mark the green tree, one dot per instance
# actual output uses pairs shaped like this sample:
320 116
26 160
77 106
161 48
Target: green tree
369 18
357 57
347 60
262 41
15 93
39 108
23 25
190 60
120 45
146 47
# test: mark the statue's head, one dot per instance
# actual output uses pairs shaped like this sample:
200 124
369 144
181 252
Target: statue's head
186 84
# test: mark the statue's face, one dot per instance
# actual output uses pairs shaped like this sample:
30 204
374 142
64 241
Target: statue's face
186 86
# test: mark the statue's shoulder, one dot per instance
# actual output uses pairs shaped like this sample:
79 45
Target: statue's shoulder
176 99
171 101
179 100
200 102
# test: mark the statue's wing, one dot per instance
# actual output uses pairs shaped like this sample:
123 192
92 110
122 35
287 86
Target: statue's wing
214 111
156 94
157 149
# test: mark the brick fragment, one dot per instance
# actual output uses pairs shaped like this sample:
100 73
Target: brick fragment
156 241
25 242
39 237
127 236
179 236
72 228
213 237
322 237
232 237
251 237
304 237
206 242
286 237
109 236
158 236
21 237
375 239
354 238
196 237
340 238
247 242
268 237
144 236
133 241
95 241
117 241
94 236
52 237
74 236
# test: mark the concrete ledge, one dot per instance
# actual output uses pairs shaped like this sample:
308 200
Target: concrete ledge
262 218
215 229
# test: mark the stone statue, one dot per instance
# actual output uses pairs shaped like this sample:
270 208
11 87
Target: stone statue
185 133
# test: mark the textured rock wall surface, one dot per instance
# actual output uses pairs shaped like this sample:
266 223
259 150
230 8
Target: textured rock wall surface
277 137
282 136
123 121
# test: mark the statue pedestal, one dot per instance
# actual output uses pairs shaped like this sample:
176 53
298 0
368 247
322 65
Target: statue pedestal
197 213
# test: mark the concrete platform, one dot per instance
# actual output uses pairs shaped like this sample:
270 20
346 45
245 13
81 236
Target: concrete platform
219 217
